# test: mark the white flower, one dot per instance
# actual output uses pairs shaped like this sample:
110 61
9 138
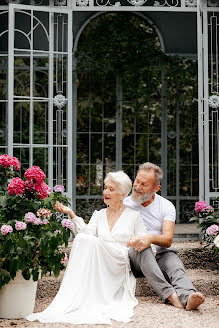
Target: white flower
216 241
191 3
59 101
213 101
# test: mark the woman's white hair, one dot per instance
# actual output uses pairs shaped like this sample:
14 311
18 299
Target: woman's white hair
121 179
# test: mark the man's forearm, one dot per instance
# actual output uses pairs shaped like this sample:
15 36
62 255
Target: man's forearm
161 240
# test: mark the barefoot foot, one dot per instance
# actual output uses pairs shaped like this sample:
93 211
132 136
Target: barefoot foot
194 300
175 301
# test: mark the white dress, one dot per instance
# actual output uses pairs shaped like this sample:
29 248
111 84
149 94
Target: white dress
98 284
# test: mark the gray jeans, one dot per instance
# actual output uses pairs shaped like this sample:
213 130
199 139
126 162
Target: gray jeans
165 273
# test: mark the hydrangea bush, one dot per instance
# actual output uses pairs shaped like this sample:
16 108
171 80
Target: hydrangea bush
207 219
32 235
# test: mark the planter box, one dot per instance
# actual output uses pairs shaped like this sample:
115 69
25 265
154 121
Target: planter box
17 298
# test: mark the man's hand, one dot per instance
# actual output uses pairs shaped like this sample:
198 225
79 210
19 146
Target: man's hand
139 242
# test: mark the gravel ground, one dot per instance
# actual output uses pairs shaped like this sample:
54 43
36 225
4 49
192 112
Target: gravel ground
202 268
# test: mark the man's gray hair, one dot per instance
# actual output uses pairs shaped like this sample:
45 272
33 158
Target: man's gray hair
121 179
150 166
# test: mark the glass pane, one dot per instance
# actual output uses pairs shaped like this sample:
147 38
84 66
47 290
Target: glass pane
83 84
23 155
83 116
128 149
130 170
60 166
3 123
110 147
109 117
60 32
40 30
59 126
60 74
96 147
155 149
96 179
40 123
40 158
142 148
3 76
21 122
40 77
96 117
185 185
128 117
3 31
22 37
22 76
186 210
83 148
82 184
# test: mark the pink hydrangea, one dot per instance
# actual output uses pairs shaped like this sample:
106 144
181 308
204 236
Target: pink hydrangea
49 190
65 260
30 217
15 163
200 206
209 209
212 230
44 212
6 229
19 225
29 185
59 188
16 186
44 221
9 161
35 173
57 232
37 221
67 223
41 189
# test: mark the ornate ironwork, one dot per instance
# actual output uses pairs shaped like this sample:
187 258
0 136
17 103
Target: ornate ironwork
191 3
213 3
60 2
214 101
82 3
136 3
59 101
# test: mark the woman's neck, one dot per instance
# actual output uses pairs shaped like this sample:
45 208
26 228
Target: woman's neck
116 208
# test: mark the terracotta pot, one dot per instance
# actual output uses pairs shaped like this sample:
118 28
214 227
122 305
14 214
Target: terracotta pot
17 298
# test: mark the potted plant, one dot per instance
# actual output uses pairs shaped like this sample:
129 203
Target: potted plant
32 236
207 219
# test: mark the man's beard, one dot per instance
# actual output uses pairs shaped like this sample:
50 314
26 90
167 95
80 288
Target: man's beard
143 198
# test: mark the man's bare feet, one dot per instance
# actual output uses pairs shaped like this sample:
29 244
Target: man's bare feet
194 300
174 300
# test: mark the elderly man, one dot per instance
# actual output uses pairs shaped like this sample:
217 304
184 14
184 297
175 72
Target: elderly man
158 215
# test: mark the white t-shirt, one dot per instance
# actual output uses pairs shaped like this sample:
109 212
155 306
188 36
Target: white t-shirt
154 214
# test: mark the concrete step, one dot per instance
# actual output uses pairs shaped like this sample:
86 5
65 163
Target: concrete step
186 231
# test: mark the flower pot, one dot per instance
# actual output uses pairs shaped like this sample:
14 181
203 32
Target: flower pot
17 298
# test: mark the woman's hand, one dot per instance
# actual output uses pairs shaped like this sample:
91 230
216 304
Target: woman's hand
64 209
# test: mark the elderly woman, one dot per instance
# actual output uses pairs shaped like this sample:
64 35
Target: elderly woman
98 284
